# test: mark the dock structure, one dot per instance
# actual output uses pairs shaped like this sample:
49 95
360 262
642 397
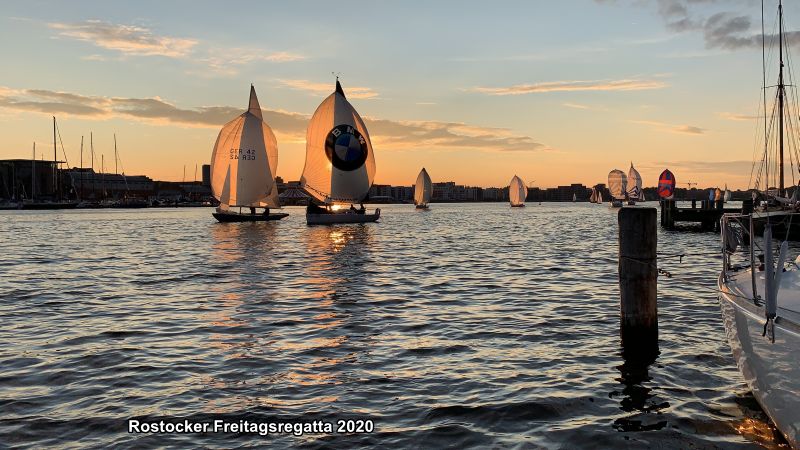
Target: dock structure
704 212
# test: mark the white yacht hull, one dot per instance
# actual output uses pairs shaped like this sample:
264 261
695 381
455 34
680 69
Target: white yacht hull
341 217
771 369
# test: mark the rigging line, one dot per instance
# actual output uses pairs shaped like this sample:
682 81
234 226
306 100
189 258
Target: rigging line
58 131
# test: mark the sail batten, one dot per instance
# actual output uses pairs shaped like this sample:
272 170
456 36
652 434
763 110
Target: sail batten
340 165
244 161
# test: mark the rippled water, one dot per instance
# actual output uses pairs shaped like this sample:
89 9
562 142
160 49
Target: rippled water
469 325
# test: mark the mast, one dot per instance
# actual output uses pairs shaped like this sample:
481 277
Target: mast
33 173
116 169
81 189
781 93
91 146
103 175
56 187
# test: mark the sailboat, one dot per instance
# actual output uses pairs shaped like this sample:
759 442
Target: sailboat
617 185
635 192
593 196
517 192
574 197
727 195
243 166
340 165
422 190
760 299
666 185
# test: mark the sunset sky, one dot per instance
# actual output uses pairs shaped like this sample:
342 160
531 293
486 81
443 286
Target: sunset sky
475 91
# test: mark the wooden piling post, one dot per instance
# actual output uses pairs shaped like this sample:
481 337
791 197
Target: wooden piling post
638 272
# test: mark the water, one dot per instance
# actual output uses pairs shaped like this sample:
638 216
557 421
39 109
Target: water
469 325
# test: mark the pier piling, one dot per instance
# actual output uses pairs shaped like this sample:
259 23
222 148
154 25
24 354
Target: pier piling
638 272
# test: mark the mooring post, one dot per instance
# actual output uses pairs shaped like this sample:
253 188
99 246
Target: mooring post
638 272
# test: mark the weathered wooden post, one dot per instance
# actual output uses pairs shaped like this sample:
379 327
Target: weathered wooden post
638 272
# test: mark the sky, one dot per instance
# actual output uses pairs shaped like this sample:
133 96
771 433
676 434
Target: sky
474 91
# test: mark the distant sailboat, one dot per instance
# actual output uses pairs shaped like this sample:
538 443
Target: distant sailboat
340 165
243 167
727 196
635 192
617 185
574 197
593 196
517 192
422 190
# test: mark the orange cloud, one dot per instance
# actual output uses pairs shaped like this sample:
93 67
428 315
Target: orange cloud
573 86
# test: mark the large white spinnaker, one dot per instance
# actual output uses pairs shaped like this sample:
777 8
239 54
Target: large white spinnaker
635 185
244 161
617 184
517 191
340 165
423 188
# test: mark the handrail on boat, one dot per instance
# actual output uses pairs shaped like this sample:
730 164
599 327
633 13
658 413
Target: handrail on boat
744 223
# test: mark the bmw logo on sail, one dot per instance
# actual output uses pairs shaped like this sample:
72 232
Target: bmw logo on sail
346 148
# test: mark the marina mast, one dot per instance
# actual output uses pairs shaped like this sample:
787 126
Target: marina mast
781 93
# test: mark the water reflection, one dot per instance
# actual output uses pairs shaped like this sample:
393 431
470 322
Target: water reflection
637 397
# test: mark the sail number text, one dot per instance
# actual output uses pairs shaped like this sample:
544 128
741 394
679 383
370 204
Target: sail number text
243 154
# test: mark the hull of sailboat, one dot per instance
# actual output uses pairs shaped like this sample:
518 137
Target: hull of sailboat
342 217
518 206
616 203
424 206
771 369
229 217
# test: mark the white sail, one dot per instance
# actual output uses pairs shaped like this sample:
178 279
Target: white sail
727 196
634 184
340 165
244 161
423 188
593 196
599 197
617 184
574 197
517 191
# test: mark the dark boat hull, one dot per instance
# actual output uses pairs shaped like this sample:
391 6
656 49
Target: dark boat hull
227 217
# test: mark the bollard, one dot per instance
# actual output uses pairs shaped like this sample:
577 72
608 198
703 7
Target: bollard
637 278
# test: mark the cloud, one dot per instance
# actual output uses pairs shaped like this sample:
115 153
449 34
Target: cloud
386 134
228 60
734 168
721 27
132 40
573 86
323 89
738 117
127 39
662 126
